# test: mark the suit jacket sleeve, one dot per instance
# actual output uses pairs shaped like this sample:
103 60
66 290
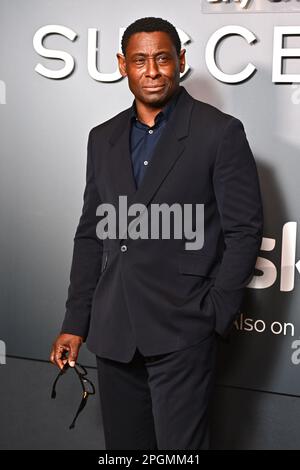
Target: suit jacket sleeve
238 195
87 257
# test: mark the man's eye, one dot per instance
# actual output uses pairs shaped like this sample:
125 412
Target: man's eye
162 58
139 60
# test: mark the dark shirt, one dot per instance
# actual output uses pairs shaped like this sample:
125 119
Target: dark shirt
143 138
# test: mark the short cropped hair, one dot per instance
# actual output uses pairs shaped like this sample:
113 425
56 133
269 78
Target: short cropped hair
149 25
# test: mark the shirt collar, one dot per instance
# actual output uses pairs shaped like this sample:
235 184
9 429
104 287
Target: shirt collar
164 114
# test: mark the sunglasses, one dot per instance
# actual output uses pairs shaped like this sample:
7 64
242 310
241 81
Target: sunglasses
86 385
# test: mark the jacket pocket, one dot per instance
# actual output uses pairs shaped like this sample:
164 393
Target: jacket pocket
198 264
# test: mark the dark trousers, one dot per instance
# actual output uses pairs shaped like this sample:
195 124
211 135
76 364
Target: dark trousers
158 402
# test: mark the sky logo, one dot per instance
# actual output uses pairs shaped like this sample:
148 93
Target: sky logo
250 6
289 265
241 3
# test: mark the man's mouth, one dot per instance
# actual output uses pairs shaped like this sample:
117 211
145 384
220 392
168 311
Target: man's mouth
154 87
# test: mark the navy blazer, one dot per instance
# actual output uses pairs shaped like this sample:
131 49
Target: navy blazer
152 293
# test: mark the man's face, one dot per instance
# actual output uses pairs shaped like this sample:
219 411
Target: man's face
152 66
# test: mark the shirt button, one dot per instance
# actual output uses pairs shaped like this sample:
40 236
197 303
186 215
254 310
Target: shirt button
150 131
123 248
146 162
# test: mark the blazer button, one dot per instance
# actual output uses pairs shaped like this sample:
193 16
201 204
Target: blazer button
123 248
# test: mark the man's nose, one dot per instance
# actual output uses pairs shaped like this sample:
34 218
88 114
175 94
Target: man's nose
152 69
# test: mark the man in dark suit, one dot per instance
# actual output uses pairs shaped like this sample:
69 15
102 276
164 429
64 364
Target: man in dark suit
149 308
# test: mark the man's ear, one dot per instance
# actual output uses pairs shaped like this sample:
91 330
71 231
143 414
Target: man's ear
122 64
182 60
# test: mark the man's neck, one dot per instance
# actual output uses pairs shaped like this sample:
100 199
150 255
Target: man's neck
146 113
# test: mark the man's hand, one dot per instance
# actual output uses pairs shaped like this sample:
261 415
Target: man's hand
65 343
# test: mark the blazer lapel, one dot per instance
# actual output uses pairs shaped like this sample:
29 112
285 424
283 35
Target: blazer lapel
167 151
120 159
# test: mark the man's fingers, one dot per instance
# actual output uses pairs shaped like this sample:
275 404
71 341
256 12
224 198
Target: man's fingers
73 354
59 355
65 344
52 354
